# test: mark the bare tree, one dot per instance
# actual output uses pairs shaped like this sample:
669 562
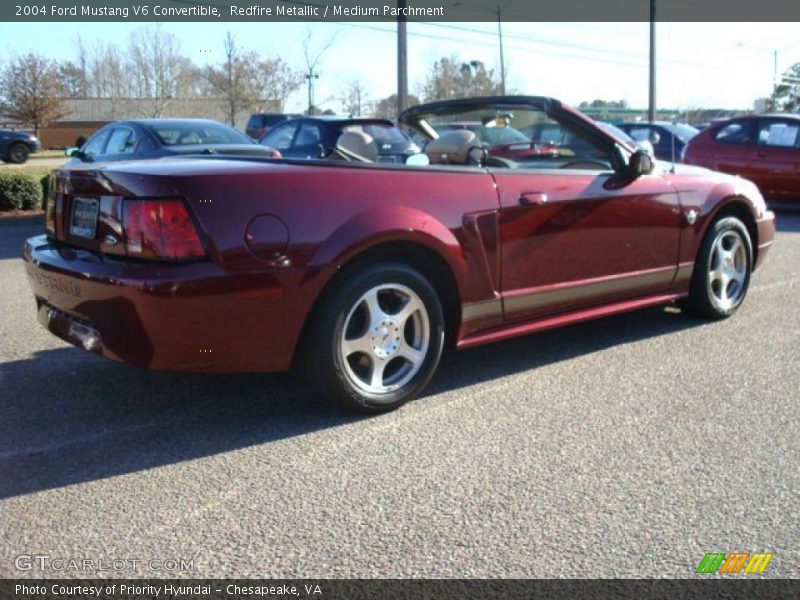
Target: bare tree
312 58
32 90
246 82
354 98
157 66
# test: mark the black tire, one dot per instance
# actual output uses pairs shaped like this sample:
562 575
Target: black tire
703 300
323 358
18 153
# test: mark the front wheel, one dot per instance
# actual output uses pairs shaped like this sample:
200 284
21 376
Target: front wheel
377 339
721 275
18 154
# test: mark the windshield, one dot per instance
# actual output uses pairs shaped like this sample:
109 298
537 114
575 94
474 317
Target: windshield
519 133
174 133
381 133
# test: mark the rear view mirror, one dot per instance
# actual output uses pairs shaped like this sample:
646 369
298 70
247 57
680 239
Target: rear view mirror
640 163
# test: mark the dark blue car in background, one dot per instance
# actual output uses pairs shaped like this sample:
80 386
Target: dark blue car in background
16 146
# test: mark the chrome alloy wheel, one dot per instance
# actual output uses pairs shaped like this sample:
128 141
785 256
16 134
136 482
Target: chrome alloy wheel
385 338
727 269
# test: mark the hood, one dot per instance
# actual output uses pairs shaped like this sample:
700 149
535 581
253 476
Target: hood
682 169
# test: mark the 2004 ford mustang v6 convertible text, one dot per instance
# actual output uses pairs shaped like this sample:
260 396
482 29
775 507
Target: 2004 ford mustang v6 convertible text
361 272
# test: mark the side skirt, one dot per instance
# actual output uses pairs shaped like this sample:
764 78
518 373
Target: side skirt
518 329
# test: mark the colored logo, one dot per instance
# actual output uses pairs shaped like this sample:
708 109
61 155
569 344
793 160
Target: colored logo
734 562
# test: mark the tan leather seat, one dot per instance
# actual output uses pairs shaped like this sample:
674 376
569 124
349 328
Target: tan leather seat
357 145
459 147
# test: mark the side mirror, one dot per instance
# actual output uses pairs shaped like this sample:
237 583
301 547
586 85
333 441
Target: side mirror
72 152
640 164
418 160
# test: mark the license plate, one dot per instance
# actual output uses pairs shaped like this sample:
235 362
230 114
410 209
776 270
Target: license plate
84 217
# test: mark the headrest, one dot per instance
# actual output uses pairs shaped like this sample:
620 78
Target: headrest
358 144
454 148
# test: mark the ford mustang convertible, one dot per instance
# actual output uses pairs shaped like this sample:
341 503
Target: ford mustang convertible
361 273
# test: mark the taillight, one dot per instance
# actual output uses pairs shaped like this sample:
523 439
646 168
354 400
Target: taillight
160 229
50 207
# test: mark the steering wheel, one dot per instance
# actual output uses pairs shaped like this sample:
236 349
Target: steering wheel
584 164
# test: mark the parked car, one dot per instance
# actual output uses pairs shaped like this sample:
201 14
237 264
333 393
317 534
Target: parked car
142 139
259 124
644 145
668 139
16 146
316 137
360 272
764 149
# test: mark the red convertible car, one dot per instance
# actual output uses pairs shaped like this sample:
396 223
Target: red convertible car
362 272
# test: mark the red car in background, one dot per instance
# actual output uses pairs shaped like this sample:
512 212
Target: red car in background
361 272
764 149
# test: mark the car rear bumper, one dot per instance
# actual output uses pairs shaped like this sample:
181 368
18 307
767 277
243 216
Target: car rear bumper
169 317
766 235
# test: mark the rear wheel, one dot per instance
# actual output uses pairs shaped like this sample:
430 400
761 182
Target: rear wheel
721 275
377 339
18 153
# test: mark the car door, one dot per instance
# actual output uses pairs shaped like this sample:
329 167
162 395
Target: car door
733 149
574 233
778 156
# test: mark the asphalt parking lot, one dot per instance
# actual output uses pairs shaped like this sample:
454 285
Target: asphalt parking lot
626 447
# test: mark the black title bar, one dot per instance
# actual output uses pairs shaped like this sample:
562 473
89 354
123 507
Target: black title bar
390 10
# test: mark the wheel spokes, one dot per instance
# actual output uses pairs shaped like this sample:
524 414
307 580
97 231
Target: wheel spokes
374 310
359 344
410 354
411 306
376 373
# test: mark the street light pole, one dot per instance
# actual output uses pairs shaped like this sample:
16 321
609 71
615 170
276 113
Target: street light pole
311 76
651 110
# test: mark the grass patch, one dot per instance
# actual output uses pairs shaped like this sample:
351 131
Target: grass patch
33 171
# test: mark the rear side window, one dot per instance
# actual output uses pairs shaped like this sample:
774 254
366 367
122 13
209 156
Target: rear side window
738 132
121 141
779 133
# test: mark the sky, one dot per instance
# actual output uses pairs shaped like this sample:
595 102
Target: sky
708 65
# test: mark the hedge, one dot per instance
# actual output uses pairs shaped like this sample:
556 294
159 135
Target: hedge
18 191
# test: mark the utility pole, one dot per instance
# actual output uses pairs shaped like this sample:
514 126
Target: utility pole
498 12
502 61
402 59
651 111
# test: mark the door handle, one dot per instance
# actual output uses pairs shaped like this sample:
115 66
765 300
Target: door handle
761 154
533 199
